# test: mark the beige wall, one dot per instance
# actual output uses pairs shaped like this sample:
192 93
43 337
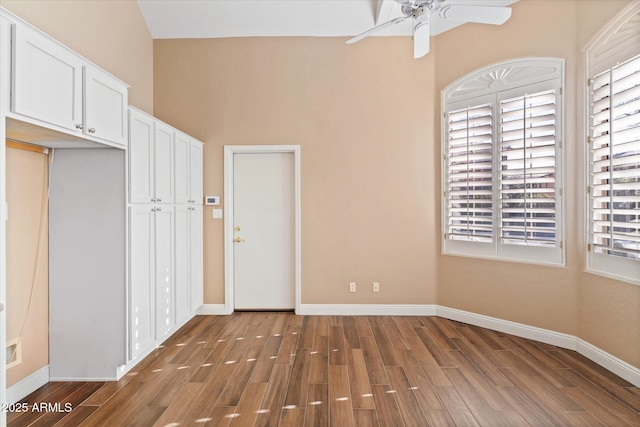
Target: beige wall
112 34
363 115
366 117
26 196
601 311
608 310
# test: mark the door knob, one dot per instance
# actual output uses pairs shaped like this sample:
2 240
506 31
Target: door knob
238 240
236 228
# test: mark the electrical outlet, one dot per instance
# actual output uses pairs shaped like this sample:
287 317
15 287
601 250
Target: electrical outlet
376 287
352 286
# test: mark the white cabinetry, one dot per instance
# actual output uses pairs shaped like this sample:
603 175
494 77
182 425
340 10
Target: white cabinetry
141 273
150 159
163 163
195 172
53 84
165 280
196 257
164 275
182 148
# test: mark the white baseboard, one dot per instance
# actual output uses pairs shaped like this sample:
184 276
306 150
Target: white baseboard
368 309
609 362
571 342
212 309
28 385
508 327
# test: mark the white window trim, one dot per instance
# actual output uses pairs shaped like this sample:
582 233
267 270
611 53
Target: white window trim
492 83
597 60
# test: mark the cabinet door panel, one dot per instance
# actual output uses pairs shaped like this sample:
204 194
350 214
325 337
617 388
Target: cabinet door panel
6 27
163 161
195 172
196 257
141 280
164 273
47 80
181 150
140 157
105 107
182 263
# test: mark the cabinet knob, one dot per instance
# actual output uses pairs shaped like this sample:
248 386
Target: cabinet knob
78 126
92 130
153 209
158 209
158 200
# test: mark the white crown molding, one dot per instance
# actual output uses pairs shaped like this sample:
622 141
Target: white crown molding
28 385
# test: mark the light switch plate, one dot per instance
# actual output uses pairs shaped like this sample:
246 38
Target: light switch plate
217 214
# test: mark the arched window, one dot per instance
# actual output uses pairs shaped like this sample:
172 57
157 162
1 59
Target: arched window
613 228
502 133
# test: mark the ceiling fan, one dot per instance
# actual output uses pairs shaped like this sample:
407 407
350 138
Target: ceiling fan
421 12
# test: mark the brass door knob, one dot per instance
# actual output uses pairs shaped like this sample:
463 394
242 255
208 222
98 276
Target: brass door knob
238 240
236 228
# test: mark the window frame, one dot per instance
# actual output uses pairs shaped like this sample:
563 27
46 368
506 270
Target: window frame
603 54
535 75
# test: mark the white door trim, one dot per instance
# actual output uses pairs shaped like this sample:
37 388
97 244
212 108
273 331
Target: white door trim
229 151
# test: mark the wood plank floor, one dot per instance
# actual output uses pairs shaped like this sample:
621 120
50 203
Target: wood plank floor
279 369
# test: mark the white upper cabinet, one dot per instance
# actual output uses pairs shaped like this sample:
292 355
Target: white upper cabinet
5 63
47 80
56 86
195 172
163 163
188 170
141 168
182 148
105 107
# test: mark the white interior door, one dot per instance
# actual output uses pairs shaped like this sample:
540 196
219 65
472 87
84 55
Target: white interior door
263 220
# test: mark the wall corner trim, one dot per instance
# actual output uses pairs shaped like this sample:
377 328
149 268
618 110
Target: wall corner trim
28 385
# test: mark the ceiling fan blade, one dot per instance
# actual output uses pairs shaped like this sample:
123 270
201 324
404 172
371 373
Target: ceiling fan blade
376 29
496 15
421 39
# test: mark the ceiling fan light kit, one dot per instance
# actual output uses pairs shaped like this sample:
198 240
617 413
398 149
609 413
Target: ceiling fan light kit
421 12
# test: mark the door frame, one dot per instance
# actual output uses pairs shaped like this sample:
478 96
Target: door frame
229 280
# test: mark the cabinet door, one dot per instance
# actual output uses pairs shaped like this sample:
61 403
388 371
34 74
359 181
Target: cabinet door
105 107
195 172
182 263
163 163
196 257
6 28
140 157
47 80
181 150
141 280
164 273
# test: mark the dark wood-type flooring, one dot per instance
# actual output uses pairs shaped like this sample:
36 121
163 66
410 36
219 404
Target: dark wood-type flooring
279 369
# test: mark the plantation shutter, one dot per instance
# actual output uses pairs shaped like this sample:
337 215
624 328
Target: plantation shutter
528 170
469 184
615 161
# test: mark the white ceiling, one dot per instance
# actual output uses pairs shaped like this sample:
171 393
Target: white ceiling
169 19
